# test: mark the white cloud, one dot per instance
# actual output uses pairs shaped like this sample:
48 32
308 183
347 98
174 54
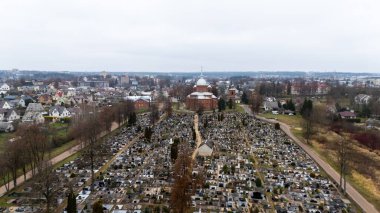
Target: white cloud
167 35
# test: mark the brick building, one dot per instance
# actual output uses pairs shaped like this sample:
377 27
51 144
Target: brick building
140 102
201 98
233 94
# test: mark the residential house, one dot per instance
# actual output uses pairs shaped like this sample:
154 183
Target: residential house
323 89
35 107
34 113
15 101
270 105
33 117
19 102
8 115
45 99
347 115
4 88
5 105
59 112
6 127
362 99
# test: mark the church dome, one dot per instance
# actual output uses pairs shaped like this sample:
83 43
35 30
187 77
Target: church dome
202 82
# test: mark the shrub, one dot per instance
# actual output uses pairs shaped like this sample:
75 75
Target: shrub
277 126
369 139
313 175
258 182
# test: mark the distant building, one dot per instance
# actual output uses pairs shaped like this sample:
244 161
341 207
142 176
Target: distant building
140 102
33 117
6 127
35 107
270 105
124 80
362 99
201 98
8 115
45 99
96 84
233 95
347 115
59 112
205 149
323 89
4 88
5 105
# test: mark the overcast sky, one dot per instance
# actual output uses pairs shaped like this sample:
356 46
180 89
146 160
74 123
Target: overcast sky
178 35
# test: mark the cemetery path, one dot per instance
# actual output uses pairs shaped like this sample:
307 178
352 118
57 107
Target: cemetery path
53 161
351 191
198 138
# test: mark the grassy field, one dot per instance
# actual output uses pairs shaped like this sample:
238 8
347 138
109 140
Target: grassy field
60 131
4 137
293 120
365 179
238 108
360 177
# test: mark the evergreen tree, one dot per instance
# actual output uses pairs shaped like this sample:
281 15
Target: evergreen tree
230 103
244 98
221 104
258 182
307 108
365 111
132 119
71 203
307 112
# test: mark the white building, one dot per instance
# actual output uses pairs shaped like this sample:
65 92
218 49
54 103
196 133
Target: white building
4 88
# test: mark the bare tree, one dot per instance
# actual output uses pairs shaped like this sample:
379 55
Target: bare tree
154 114
344 149
256 103
180 197
88 131
107 118
308 119
46 183
35 142
4 172
169 108
13 160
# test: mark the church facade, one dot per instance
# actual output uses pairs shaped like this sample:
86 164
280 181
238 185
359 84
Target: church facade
201 98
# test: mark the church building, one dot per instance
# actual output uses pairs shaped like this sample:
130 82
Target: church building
201 98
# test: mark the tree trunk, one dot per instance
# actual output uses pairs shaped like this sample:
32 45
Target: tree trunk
24 171
92 170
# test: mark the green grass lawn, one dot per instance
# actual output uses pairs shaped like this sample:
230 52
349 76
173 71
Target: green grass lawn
292 120
59 125
4 137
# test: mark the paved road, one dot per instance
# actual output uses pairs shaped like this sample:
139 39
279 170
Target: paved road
55 160
351 191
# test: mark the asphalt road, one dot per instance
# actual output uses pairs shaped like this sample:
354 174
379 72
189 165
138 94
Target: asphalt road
351 191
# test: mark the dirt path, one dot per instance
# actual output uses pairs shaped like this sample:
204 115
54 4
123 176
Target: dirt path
351 191
53 161
198 138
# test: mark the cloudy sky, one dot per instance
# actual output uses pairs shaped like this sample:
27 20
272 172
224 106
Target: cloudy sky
178 35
